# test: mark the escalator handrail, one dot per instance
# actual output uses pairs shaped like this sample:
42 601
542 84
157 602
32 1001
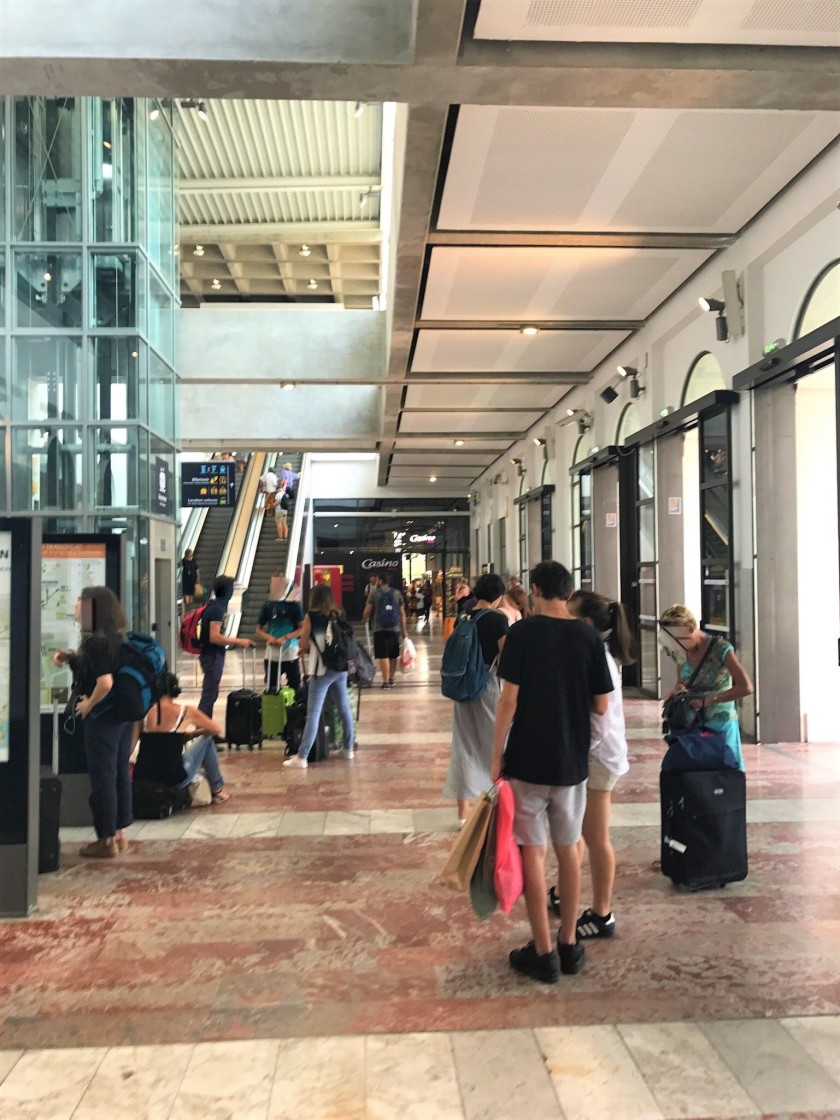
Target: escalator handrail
249 497
252 540
300 522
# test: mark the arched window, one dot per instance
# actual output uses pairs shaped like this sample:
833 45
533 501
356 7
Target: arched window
628 423
704 377
822 303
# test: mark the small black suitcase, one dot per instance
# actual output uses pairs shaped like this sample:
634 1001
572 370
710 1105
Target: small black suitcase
243 715
704 827
48 821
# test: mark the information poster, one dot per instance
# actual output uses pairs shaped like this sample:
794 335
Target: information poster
207 484
5 639
65 570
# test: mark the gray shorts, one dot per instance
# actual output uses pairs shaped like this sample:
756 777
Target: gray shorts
544 810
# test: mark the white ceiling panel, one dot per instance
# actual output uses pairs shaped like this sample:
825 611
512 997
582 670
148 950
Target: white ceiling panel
441 458
658 170
478 351
774 22
467 422
484 396
444 443
465 473
544 284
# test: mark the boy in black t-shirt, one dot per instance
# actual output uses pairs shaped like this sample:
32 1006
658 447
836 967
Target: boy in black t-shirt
554 673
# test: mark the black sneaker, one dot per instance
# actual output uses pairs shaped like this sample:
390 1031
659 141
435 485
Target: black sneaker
553 902
591 925
571 958
527 960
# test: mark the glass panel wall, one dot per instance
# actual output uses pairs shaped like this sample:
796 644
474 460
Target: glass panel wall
91 240
47 186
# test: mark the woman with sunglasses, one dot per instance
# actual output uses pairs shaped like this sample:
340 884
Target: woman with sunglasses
722 678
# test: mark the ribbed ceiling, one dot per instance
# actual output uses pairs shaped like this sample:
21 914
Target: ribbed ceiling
253 139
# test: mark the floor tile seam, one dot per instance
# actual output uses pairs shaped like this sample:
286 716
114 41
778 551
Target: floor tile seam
373 1035
782 1021
89 1081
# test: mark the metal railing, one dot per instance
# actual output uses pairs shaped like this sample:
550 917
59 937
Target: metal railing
301 524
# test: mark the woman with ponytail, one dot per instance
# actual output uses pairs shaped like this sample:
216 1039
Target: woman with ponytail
607 763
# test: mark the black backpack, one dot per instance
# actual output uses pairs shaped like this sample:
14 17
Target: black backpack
338 642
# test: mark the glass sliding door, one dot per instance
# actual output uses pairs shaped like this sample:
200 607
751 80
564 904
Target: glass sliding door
646 569
716 557
582 529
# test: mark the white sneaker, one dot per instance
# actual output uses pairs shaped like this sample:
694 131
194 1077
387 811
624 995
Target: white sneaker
345 752
296 762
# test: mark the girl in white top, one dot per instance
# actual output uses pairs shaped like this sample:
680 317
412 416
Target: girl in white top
607 762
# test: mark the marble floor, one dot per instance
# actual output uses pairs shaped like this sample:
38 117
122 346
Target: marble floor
288 954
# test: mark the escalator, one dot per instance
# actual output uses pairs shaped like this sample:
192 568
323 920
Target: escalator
270 556
208 550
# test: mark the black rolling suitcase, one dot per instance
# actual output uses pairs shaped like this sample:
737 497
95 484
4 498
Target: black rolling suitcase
704 827
48 821
243 716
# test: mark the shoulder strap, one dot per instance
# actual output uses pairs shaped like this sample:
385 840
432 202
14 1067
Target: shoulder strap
689 684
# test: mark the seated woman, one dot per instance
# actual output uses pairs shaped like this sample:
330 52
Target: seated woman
169 716
722 679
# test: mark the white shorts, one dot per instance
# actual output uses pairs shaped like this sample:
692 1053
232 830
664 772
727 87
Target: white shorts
600 778
547 810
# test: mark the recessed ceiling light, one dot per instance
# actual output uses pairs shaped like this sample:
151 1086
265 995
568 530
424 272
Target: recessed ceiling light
154 114
529 330
48 276
134 353
287 385
106 144
459 443
216 285
312 285
432 478
305 251
198 251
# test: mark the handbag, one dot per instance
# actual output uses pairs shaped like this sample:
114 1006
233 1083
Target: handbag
507 870
201 795
198 590
482 891
678 715
458 870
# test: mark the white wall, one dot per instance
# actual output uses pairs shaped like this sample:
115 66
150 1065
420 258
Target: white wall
343 476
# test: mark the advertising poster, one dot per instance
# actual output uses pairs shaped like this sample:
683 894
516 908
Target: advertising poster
65 570
5 639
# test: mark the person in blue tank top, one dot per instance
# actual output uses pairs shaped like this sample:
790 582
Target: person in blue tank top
722 679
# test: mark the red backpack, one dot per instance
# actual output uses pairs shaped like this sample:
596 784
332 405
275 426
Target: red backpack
189 636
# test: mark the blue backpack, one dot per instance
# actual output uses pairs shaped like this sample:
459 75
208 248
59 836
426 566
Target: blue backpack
139 678
387 611
463 674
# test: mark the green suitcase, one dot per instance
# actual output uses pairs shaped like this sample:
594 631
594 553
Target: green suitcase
273 708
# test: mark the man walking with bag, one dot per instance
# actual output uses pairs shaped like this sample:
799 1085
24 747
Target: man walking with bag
387 607
554 674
